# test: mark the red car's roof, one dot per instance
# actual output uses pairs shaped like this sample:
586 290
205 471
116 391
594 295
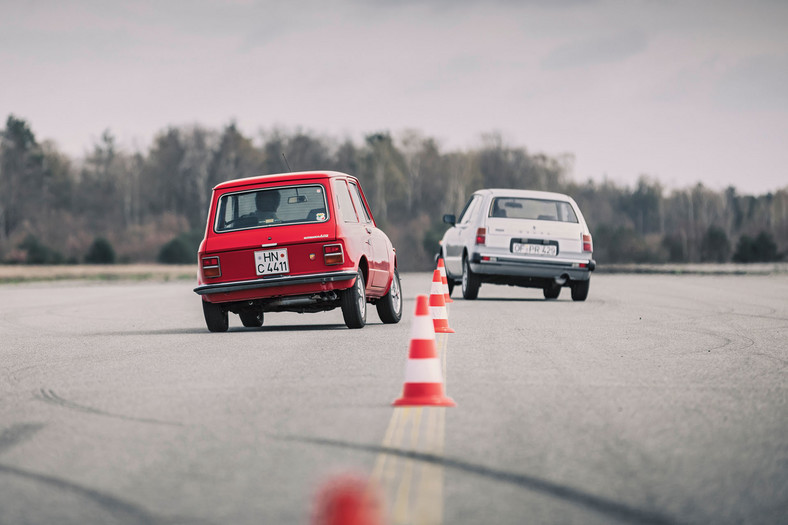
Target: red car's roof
280 177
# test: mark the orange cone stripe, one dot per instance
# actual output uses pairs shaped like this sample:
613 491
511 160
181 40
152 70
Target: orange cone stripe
422 350
426 391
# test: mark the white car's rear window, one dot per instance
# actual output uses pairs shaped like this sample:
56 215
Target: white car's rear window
532 209
271 207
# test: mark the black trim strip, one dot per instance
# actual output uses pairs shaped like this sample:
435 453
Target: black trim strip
274 281
561 264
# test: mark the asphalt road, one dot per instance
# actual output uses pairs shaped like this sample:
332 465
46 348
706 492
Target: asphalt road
661 399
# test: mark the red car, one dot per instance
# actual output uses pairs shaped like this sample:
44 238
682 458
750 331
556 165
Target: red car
295 242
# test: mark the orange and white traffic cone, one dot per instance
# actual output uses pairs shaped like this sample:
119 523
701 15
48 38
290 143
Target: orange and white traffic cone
423 378
348 499
446 297
440 316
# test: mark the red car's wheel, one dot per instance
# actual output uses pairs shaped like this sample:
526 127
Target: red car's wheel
251 318
215 317
354 303
390 305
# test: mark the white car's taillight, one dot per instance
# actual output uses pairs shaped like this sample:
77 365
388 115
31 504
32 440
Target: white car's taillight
481 235
587 244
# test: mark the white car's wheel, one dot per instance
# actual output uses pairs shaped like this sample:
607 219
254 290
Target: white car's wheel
470 281
580 289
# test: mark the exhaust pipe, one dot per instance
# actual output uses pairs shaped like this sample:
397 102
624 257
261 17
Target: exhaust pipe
561 279
303 301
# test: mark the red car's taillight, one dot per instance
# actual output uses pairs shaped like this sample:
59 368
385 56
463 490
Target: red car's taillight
481 235
587 244
333 254
210 267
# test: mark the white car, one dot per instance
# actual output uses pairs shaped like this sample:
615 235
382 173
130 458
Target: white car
525 238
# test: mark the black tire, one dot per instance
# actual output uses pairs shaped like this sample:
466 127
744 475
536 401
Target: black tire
551 291
580 289
215 317
470 281
449 280
251 318
390 305
354 303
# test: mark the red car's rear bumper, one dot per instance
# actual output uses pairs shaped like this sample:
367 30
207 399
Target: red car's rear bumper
275 286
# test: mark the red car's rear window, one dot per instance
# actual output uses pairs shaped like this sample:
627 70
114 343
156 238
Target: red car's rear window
271 207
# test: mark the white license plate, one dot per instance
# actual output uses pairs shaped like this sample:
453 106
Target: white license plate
271 262
535 249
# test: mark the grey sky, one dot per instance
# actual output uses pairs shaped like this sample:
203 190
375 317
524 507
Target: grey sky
681 91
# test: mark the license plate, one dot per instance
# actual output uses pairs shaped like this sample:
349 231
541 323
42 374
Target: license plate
271 262
535 249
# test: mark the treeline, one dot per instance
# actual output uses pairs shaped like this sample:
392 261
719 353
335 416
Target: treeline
121 206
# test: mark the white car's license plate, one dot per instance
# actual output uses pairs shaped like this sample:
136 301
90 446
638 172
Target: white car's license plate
270 262
535 249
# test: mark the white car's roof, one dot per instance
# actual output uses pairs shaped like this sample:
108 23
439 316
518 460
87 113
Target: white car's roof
528 194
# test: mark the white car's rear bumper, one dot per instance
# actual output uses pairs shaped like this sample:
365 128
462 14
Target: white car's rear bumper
531 266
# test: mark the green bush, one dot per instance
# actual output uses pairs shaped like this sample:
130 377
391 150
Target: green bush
182 249
623 245
715 246
39 253
760 249
100 252
674 246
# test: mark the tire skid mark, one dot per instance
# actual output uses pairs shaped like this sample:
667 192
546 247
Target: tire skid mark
125 510
17 374
739 342
16 434
718 310
14 374
736 341
757 316
599 504
49 396
783 363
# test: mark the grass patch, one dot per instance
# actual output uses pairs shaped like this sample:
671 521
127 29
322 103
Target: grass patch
14 274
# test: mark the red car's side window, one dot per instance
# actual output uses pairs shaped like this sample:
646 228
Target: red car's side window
344 202
359 203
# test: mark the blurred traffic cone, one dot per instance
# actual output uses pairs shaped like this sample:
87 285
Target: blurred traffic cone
347 499
446 297
423 379
440 316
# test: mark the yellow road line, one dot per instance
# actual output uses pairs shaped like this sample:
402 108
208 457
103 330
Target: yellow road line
380 461
429 496
390 471
395 478
401 505
443 340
